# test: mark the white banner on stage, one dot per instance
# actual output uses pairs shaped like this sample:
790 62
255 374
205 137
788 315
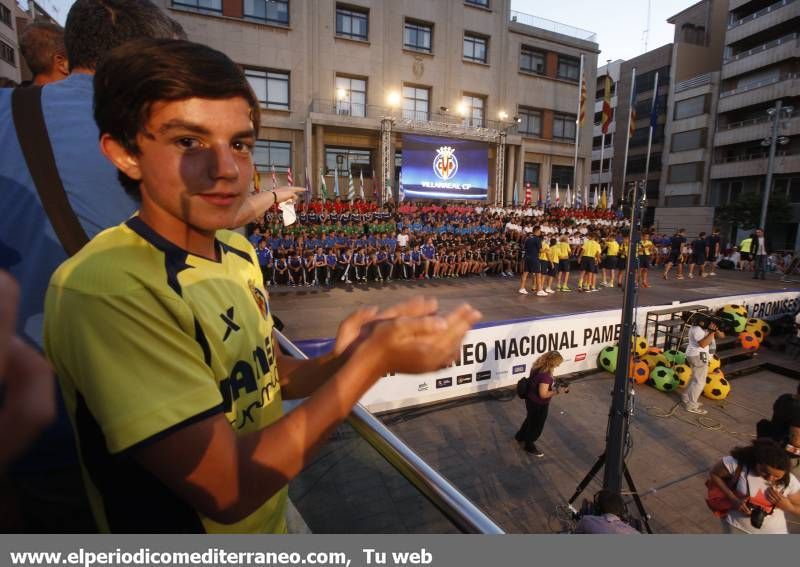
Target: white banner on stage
497 356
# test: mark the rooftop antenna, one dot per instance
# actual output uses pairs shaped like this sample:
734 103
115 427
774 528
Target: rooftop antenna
646 32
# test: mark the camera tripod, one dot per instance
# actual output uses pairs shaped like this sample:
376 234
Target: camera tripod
599 463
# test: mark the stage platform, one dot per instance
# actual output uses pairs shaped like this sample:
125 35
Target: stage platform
312 313
348 488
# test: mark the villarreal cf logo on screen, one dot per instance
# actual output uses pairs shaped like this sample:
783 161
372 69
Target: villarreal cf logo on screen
260 298
445 164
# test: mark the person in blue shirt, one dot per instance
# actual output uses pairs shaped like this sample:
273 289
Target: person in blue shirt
360 265
265 261
416 260
309 268
256 237
330 262
329 241
408 265
390 242
320 266
346 265
296 274
429 259
281 274
382 260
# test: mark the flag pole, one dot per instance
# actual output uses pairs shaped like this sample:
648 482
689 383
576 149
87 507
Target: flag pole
652 118
628 133
578 122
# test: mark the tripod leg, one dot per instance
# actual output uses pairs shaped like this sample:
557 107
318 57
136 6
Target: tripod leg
601 460
637 500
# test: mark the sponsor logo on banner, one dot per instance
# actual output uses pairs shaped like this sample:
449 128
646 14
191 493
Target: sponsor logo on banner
422 387
464 379
483 375
518 369
580 357
444 382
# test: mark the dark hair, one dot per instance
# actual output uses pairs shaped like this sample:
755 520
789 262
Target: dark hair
95 27
140 73
40 42
764 451
608 502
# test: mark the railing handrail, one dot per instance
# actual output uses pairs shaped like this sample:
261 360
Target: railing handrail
760 48
759 13
551 25
758 84
465 515
748 122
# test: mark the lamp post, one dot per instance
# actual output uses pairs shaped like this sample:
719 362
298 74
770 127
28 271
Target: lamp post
776 114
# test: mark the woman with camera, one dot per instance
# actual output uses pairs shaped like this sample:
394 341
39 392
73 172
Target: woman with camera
540 391
759 487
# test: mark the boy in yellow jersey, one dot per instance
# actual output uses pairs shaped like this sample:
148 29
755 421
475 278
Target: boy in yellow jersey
590 257
547 266
160 328
645 250
622 259
611 261
564 251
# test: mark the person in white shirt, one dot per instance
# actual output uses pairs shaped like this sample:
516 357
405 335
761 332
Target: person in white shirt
402 239
753 477
760 253
697 354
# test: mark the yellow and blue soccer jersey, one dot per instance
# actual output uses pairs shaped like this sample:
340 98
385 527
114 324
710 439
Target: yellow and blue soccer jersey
146 339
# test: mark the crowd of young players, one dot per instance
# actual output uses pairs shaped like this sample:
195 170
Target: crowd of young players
337 242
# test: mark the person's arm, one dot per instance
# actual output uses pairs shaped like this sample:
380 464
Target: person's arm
709 338
256 205
226 477
721 476
545 391
789 503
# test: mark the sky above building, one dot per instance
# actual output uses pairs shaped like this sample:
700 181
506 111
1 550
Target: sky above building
619 24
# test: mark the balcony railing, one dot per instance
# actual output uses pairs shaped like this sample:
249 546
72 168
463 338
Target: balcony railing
698 81
761 48
464 515
550 25
744 123
758 84
751 157
762 12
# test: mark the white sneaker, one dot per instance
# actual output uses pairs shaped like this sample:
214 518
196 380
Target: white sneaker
541 293
713 274
523 291
548 290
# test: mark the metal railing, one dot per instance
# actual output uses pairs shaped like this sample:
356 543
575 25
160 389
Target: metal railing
761 48
465 515
698 81
748 122
550 25
758 84
762 12
752 157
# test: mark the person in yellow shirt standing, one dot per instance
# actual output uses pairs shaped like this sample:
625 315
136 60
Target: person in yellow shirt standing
622 260
549 260
564 254
611 261
590 257
645 250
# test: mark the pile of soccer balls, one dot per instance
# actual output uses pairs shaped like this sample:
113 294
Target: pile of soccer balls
668 370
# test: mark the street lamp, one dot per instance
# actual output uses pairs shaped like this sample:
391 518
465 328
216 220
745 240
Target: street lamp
502 115
393 99
776 115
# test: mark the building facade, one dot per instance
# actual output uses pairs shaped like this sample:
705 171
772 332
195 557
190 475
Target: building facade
342 83
9 44
760 67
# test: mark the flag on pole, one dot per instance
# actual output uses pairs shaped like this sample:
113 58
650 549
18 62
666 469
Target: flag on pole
308 189
336 182
375 194
608 112
361 185
595 200
528 194
516 194
611 196
582 105
654 111
401 195
578 200
274 179
585 196
569 197
633 110
603 200
323 189
351 188
289 178
547 199
558 197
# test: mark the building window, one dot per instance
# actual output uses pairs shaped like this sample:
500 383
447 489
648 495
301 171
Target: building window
352 23
5 15
268 154
686 172
531 174
270 11
644 82
691 140
473 107
354 160
597 141
7 53
351 96
418 36
569 68
561 174
564 126
694 106
481 3
208 5
606 165
530 122
476 48
416 103
271 87
532 60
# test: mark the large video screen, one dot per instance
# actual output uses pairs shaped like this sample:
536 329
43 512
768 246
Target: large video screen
443 168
